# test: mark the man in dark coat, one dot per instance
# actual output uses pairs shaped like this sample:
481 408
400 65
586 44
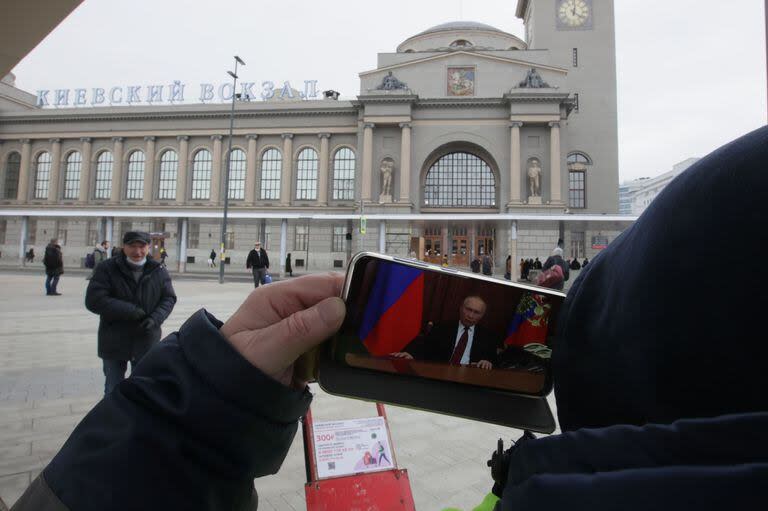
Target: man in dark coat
258 263
133 296
460 342
54 267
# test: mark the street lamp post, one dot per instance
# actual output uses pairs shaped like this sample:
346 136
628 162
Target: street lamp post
222 250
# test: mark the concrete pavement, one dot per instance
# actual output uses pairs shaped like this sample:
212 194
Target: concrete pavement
50 377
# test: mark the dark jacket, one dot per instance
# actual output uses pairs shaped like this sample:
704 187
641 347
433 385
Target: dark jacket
438 344
257 261
119 300
180 433
53 260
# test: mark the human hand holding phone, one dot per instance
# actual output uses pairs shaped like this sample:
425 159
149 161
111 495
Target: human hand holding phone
278 323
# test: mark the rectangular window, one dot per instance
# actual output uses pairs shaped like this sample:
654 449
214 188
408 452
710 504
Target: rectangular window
3 229
194 234
338 243
158 226
301 238
578 239
266 237
397 243
575 57
576 189
61 231
31 231
92 233
229 241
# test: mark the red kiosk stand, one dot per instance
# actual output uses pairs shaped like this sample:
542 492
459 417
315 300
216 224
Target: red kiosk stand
380 490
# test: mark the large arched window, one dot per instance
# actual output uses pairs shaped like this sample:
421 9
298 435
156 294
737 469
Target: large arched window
42 175
201 175
577 179
169 168
12 167
460 180
344 174
103 182
135 185
306 175
237 174
72 175
271 168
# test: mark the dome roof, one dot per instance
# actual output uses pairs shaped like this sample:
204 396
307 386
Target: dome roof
461 34
460 25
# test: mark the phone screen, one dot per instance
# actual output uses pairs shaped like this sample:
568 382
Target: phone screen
431 323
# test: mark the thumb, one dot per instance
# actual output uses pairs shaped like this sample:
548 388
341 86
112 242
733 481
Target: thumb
277 346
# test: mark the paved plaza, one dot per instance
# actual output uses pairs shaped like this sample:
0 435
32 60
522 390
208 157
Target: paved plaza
50 377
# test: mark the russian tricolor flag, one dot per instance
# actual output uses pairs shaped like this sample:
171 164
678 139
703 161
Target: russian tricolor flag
393 315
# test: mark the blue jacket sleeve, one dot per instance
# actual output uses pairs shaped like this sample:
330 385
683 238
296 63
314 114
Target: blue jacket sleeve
702 464
190 429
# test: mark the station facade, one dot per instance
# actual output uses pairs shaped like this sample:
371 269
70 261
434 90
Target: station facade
463 142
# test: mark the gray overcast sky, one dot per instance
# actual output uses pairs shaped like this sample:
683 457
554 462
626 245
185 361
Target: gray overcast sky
691 73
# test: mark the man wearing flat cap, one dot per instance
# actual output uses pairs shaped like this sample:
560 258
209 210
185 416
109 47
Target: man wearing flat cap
132 294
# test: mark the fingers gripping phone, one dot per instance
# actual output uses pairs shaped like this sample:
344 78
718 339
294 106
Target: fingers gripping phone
443 340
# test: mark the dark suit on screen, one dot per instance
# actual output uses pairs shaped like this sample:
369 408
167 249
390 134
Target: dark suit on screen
438 344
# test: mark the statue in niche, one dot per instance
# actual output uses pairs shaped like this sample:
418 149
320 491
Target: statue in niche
534 177
533 80
387 169
389 82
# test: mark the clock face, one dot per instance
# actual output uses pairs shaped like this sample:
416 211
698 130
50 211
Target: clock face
573 13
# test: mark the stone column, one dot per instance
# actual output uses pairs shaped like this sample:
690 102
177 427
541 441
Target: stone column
23 240
183 245
554 163
117 170
25 170
405 162
85 170
514 264
283 245
286 182
109 233
514 162
322 182
149 170
367 161
250 174
382 236
53 181
217 196
181 176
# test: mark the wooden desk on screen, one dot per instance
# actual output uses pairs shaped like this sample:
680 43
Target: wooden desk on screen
515 380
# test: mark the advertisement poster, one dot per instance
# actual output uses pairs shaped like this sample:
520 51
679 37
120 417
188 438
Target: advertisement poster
351 446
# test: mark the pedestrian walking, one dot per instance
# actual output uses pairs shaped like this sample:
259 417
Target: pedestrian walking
557 259
212 259
163 256
487 265
258 263
53 261
30 256
133 296
288 267
100 253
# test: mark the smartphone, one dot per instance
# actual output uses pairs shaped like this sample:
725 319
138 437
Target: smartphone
443 340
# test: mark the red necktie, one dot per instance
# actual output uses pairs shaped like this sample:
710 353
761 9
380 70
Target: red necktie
458 352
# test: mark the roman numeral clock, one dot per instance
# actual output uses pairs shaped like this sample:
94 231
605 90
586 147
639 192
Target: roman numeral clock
574 14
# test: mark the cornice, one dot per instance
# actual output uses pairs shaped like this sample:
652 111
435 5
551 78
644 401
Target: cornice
459 102
69 117
384 98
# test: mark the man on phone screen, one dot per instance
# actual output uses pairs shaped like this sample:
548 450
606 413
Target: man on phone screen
458 343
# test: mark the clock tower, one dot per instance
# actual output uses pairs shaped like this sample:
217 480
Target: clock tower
579 36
